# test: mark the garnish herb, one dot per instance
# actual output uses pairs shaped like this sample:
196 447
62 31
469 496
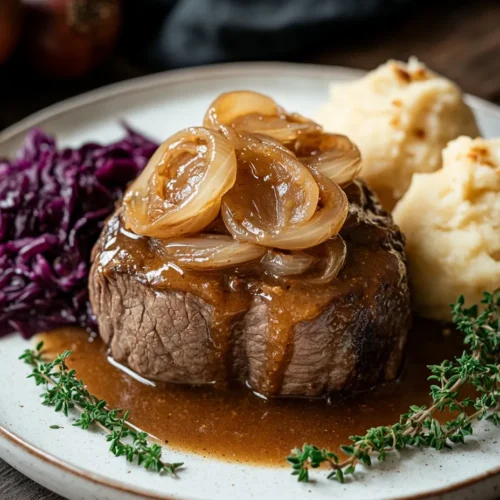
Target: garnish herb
478 366
64 391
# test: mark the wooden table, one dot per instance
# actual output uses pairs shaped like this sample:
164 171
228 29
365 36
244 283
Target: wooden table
460 40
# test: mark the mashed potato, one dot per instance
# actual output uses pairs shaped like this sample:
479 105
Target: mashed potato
401 116
451 219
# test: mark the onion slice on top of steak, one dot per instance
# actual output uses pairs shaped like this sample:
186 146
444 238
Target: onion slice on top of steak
322 266
279 264
208 251
324 224
273 177
257 113
334 255
274 201
332 155
273 192
180 189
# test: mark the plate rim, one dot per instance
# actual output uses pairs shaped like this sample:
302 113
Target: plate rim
175 77
103 480
99 479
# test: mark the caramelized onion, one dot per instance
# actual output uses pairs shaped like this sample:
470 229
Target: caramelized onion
275 179
279 264
332 263
252 216
240 140
325 223
180 189
209 252
273 191
256 113
332 155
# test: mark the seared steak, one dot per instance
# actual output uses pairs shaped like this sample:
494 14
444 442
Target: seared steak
293 340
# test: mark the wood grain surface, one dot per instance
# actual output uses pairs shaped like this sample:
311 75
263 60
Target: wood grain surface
460 40
16 486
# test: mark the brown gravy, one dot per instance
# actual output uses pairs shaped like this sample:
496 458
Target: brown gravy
236 425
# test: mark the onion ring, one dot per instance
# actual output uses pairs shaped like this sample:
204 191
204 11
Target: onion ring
180 189
257 113
273 191
208 252
279 264
335 260
297 234
332 155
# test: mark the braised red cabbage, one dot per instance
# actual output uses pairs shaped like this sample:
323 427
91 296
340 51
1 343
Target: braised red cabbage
53 203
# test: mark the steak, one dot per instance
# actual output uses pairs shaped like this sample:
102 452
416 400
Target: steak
281 340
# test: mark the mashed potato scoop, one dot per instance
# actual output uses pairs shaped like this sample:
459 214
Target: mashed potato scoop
451 219
401 116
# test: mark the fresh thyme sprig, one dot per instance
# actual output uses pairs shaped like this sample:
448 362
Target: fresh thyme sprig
64 391
478 366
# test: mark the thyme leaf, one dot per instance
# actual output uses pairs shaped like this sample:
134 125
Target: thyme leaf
64 392
478 366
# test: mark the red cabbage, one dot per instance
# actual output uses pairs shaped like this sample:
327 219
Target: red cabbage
53 203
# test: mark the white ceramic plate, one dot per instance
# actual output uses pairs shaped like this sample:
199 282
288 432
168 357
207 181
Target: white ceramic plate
77 464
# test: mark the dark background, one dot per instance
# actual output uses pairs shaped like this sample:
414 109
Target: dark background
459 39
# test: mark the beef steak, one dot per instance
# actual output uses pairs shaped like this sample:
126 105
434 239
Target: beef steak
293 340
